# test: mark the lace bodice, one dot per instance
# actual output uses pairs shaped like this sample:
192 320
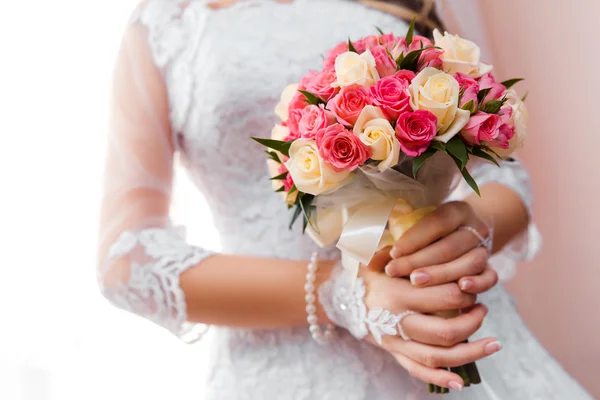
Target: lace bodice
223 71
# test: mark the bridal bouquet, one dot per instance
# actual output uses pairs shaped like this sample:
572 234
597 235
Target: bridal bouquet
376 139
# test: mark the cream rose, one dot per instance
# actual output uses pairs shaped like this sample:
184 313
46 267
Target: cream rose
355 69
436 91
310 173
460 55
282 108
519 119
374 130
280 132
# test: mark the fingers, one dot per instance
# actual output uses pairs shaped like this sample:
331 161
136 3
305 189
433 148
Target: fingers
471 264
455 356
433 299
436 376
439 223
480 283
380 260
445 250
429 329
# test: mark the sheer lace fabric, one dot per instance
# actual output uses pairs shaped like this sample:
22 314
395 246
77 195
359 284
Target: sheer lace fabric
197 83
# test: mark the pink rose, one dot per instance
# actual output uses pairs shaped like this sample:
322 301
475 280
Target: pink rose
428 58
313 119
415 131
482 127
405 74
391 95
384 64
348 103
488 81
333 53
292 123
505 133
470 89
388 40
365 43
342 149
417 43
431 58
320 84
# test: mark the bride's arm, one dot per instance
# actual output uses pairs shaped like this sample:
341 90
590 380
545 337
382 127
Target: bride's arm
145 264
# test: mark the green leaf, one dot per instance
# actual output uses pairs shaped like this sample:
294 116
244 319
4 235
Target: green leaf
478 152
419 160
399 59
293 189
280 177
525 96
468 106
456 147
296 214
494 106
273 156
309 212
481 95
278 145
411 60
467 176
351 47
311 98
439 146
509 83
411 32
379 30
281 189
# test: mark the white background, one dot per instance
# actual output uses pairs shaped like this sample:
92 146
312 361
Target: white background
59 339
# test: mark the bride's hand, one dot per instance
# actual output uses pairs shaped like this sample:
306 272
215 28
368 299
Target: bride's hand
435 251
435 342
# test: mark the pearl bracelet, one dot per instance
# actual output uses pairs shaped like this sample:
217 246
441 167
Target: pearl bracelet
311 310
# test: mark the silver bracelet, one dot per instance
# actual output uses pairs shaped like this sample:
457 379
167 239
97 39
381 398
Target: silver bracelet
311 310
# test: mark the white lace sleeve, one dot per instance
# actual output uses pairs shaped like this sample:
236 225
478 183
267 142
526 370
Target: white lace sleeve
513 175
141 256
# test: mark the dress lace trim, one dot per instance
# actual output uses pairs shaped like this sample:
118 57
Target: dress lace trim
157 259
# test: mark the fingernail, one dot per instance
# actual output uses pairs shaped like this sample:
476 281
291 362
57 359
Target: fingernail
456 386
419 278
466 285
485 308
394 253
492 348
388 270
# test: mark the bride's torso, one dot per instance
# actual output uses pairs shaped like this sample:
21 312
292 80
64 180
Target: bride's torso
224 70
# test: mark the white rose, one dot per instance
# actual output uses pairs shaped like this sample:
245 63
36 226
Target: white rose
460 55
519 119
374 130
310 173
436 91
355 69
282 108
280 132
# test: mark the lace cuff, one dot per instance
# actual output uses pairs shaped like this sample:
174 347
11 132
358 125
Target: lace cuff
155 258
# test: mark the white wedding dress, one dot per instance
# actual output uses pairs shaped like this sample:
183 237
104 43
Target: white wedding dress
224 70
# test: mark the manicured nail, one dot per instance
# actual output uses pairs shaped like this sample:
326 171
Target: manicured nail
388 270
492 348
394 253
466 284
419 278
456 386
